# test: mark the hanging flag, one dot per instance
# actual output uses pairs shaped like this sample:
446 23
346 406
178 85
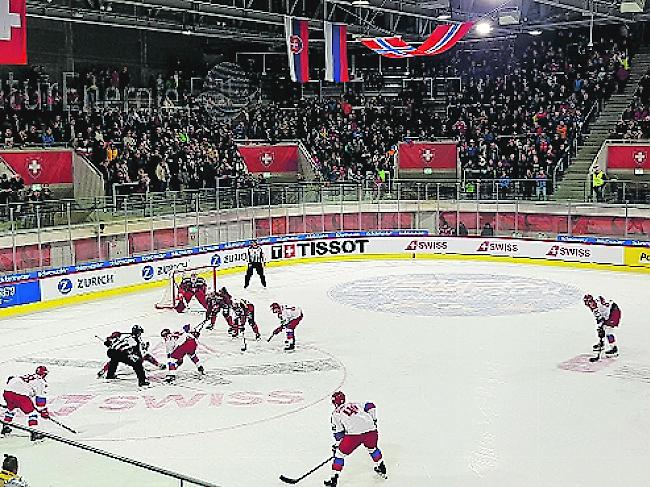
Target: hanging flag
390 47
297 36
443 38
13 32
336 52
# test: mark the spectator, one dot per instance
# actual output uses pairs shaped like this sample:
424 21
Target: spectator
9 473
541 181
598 179
462 230
487 230
445 230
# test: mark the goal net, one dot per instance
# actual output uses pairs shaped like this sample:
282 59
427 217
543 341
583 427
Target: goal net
170 295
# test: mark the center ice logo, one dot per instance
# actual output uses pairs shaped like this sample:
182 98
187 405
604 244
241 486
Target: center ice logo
65 286
147 272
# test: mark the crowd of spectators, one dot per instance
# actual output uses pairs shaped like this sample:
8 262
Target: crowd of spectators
635 120
513 120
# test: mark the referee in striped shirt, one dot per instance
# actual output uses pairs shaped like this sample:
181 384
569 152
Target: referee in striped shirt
255 263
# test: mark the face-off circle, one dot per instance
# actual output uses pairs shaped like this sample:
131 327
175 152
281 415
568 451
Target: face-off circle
456 294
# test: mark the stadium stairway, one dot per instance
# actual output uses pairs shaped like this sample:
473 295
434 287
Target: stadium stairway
573 185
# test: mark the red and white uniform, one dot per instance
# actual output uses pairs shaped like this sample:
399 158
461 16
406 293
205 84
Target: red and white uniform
290 317
219 302
607 315
354 424
27 393
244 314
178 345
189 288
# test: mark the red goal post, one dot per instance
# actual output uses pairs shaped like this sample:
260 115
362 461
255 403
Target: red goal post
170 295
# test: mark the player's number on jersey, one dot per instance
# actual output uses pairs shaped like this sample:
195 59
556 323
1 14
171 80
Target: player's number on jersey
350 410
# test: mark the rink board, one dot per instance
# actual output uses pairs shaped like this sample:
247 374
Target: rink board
40 290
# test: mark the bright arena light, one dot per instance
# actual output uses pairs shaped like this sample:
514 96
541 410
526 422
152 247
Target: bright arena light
483 28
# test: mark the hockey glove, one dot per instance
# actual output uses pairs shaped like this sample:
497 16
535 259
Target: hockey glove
45 414
601 332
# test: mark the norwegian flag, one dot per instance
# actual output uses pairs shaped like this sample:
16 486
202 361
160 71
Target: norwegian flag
443 38
390 47
13 32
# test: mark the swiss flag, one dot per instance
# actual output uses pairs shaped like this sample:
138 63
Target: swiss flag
13 32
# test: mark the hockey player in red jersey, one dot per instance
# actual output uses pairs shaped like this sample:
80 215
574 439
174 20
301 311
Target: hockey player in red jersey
353 424
136 332
608 317
180 344
27 393
191 287
219 301
244 315
290 317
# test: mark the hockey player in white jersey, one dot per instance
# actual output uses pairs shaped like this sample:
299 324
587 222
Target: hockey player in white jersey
353 424
178 345
290 317
608 316
27 393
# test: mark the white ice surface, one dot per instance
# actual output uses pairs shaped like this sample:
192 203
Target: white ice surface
478 400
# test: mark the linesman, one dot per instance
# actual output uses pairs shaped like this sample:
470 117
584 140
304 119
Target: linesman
255 263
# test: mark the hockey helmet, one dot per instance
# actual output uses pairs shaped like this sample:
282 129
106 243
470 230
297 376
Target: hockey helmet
275 307
589 301
194 276
338 398
10 463
165 332
41 370
137 330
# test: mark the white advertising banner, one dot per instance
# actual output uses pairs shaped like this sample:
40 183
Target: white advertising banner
150 270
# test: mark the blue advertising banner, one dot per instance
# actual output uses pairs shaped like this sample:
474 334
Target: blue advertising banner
604 241
19 293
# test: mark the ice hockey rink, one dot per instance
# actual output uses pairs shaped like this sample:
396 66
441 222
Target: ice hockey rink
479 371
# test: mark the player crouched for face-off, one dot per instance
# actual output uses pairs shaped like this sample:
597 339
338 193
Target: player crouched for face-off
290 317
191 287
180 344
353 424
219 301
27 393
608 316
136 333
244 315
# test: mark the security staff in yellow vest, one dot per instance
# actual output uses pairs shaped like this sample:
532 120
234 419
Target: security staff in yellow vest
598 183
9 474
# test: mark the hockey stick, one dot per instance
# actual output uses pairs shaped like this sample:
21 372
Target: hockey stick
601 345
243 338
62 425
289 480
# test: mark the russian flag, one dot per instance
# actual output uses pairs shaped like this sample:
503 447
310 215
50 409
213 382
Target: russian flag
297 36
336 52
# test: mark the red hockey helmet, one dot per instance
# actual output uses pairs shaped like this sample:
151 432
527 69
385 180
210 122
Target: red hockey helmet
165 332
275 307
589 301
338 398
41 370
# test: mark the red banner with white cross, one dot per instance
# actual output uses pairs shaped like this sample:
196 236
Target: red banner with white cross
41 167
435 156
628 156
13 32
273 159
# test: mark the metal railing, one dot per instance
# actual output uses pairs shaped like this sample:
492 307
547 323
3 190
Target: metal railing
63 234
124 475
